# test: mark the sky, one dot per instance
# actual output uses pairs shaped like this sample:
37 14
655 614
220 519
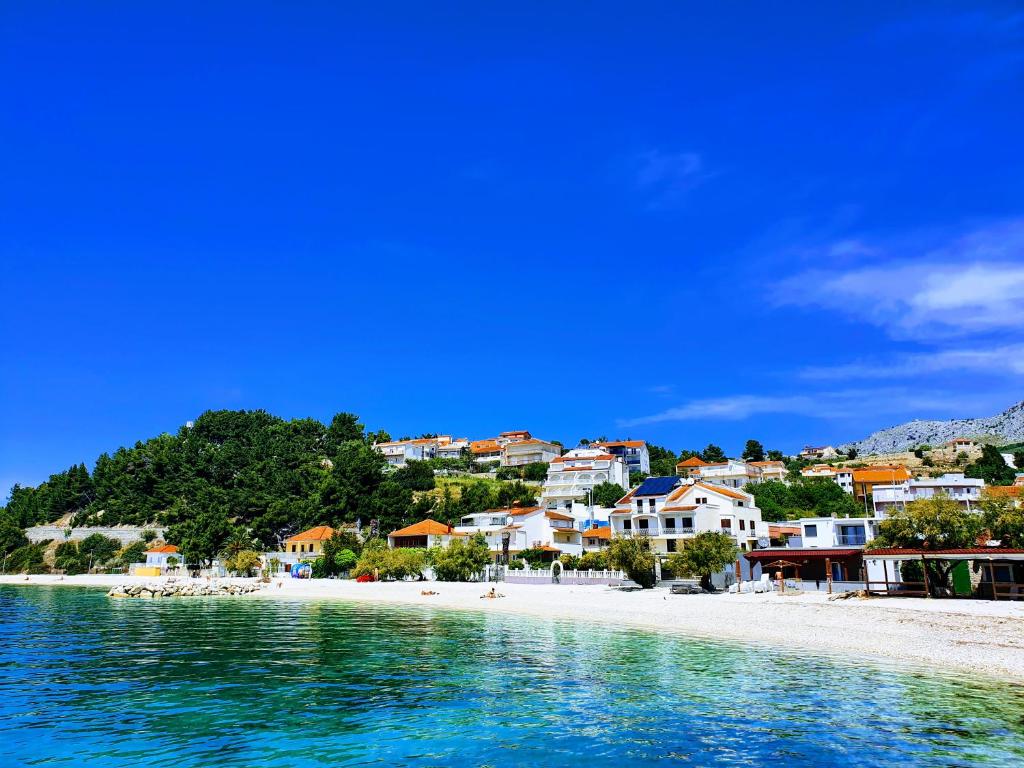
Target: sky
682 222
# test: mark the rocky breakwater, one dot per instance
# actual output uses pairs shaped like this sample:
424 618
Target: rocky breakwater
183 589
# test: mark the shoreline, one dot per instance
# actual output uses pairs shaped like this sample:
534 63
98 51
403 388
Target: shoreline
984 639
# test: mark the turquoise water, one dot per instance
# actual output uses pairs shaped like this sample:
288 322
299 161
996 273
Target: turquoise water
90 681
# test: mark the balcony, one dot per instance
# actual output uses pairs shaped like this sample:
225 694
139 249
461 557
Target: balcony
678 531
851 539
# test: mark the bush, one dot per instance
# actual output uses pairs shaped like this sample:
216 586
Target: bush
133 553
28 559
11 535
593 561
569 562
533 557
148 536
460 561
98 549
383 562
633 555
516 565
346 560
705 554
246 562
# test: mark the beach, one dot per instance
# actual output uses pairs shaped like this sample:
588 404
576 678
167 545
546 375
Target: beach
980 638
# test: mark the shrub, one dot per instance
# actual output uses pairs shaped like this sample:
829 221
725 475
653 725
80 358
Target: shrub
148 535
633 555
67 558
245 562
27 559
516 565
705 554
569 562
385 563
133 553
460 561
593 561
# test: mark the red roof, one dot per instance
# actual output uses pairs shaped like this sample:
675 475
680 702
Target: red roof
963 551
320 533
425 527
788 554
168 549
693 461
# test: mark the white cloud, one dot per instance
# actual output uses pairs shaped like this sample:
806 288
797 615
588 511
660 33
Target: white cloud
973 285
845 404
668 176
993 360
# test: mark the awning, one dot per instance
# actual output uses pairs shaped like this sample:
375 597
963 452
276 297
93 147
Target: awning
971 553
782 553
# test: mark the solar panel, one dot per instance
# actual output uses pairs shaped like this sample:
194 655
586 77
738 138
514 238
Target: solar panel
657 486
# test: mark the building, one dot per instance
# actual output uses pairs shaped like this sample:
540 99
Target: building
771 470
529 451
399 452
669 510
486 451
527 528
865 479
453 449
840 475
965 490
158 556
597 538
309 544
958 444
572 476
819 453
633 452
422 535
690 467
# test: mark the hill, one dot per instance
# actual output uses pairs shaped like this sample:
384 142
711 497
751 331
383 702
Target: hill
1005 427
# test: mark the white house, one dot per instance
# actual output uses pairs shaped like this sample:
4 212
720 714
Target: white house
158 556
839 475
422 535
819 453
527 528
452 449
965 490
731 473
399 452
572 476
529 451
670 510
633 452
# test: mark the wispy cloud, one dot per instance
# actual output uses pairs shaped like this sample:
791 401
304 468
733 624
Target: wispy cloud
667 177
1005 359
973 285
844 404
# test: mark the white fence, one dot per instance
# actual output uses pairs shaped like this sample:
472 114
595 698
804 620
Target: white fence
558 576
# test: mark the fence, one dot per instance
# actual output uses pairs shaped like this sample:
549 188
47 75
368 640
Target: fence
547 576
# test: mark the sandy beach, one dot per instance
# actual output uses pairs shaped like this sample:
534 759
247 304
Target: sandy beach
982 638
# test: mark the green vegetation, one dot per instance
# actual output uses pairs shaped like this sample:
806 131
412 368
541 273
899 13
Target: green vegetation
11 535
753 451
245 562
806 497
460 560
534 473
991 467
92 552
593 561
705 554
456 497
385 563
633 555
713 454
606 494
27 559
1004 520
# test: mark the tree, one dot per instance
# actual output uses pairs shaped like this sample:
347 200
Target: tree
1018 459
344 427
851 454
593 561
517 492
201 536
380 560
460 561
97 549
11 535
991 467
663 461
713 454
416 476
133 553
68 559
633 555
774 455
606 494
536 471
1003 519
935 523
919 452
753 451
246 562
705 554
569 562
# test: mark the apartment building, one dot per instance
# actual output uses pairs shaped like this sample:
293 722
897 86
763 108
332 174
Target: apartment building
529 451
633 452
571 476
964 490
731 473
841 476
527 528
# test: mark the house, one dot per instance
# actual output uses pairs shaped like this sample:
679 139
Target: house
865 479
399 452
308 543
486 451
840 475
526 528
690 466
819 453
771 470
452 449
633 452
670 510
422 535
597 538
958 444
529 451
158 556
965 490
572 476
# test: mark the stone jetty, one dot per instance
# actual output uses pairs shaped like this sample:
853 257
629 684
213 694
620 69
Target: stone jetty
183 589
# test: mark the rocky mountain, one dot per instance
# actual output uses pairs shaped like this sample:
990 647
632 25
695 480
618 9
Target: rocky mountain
1005 427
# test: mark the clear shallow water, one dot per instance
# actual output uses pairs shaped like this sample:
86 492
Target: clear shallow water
85 680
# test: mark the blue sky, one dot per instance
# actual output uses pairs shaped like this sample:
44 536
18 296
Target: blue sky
685 222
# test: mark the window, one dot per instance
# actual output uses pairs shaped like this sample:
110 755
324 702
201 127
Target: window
644 524
739 503
650 504
670 545
670 522
687 522
293 547
302 547
639 505
727 524
701 499
810 530
627 525
743 525
751 525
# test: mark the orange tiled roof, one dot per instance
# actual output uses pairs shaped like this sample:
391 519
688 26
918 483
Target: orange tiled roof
558 516
426 527
320 533
767 464
693 461
514 511
484 446
166 549
880 474
684 508
565 530
604 533
627 497
623 444
599 457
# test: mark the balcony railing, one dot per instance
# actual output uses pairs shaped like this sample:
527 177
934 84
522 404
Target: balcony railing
851 539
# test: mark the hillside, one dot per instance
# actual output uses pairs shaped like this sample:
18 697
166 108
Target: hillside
1004 427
